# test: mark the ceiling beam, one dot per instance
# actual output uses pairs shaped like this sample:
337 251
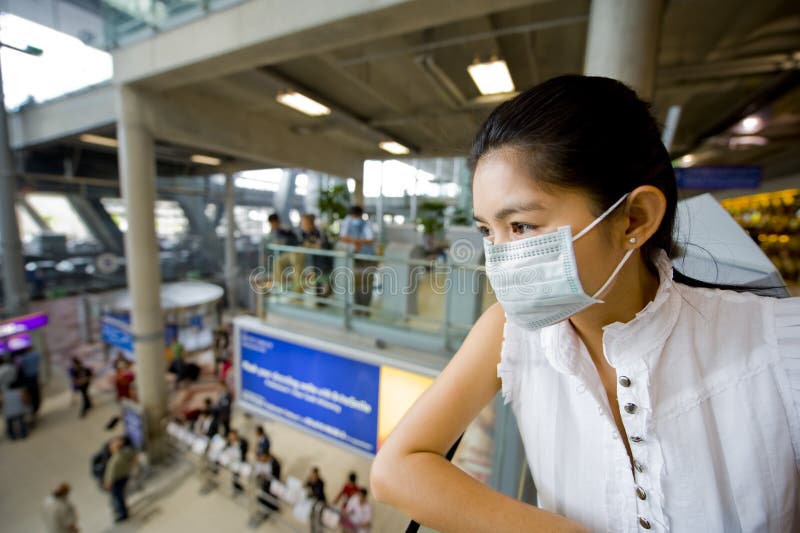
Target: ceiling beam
229 129
265 32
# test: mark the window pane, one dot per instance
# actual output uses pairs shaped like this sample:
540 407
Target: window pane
60 216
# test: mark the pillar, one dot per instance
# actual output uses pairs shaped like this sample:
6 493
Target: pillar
230 242
137 170
15 290
623 42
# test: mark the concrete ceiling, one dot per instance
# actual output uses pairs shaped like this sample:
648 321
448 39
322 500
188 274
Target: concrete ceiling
720 60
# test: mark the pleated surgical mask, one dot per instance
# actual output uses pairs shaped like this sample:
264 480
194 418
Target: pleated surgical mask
536 279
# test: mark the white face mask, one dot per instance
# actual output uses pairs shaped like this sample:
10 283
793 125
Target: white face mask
536 279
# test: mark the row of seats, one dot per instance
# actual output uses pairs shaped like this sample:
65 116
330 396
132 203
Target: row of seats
208 454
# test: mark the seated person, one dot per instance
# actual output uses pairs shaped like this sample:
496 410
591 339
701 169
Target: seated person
265 470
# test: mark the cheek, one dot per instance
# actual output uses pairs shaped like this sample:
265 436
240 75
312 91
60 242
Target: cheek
596 258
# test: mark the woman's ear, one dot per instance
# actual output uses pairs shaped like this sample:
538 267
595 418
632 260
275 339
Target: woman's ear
646 206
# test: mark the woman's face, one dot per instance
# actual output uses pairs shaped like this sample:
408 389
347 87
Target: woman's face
509 206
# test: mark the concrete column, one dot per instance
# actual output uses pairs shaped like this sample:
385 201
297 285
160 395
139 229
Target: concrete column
137 171
230 243
282 200
15 291
358 194
623 42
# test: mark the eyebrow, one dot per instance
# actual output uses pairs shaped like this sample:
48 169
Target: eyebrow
513 209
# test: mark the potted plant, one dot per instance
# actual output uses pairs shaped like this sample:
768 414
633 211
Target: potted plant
430 215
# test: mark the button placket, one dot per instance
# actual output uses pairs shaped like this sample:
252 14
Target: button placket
629 404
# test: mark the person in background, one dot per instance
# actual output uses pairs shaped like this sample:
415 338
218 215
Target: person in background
221 344
123 380
349 489
117 473
286 265
315 485
235 452
81 377
8 372
15 408
58 512
357 232
357 514
312 237
29 362
316 491
262 441
223 409
206 423
265 469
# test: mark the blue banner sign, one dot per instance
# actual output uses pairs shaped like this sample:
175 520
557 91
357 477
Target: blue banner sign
133 419
116 333
718 177
325 393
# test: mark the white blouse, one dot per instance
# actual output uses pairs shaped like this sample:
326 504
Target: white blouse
709 394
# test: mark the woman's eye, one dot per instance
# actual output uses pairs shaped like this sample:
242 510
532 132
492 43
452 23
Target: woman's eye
521 229
484 231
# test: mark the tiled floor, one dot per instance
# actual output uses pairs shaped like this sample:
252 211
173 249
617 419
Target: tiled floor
60 447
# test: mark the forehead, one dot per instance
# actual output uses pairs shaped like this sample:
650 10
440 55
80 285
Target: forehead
503 179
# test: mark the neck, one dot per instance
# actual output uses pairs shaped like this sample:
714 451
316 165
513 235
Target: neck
634 287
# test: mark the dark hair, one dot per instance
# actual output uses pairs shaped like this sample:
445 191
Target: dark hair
259 430
593 134
274 217
352 477
356 210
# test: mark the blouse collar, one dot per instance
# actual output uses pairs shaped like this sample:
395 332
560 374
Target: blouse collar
648 330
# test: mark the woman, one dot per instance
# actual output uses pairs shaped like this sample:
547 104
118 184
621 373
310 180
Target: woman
651 404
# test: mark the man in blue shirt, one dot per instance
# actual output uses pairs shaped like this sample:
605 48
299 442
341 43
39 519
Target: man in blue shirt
357 231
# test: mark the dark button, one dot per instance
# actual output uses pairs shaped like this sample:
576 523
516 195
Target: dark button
630 408
644 522
640 492
636 438
638 466
625 381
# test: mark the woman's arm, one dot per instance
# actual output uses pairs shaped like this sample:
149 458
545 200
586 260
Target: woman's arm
410 472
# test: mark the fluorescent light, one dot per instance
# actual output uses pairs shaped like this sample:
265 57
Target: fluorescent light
746 141
303 103
492 77
394 148
97 139
206 160
749 125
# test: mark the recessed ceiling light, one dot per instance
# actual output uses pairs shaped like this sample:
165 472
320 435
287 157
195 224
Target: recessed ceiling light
206 160
749 125
492 77
303 103
99 140
394 148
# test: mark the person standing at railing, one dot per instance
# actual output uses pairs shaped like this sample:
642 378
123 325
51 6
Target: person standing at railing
321 266
286 265
356 230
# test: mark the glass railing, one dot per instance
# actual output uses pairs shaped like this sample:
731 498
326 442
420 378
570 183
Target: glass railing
127 21
420 301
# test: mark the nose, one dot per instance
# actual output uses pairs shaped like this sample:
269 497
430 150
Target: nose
500 237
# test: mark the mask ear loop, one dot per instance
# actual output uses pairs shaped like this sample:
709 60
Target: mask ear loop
621 264
599 219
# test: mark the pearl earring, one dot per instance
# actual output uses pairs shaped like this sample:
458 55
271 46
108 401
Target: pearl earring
632 240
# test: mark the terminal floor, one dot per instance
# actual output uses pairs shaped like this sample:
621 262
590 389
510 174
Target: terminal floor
170 500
